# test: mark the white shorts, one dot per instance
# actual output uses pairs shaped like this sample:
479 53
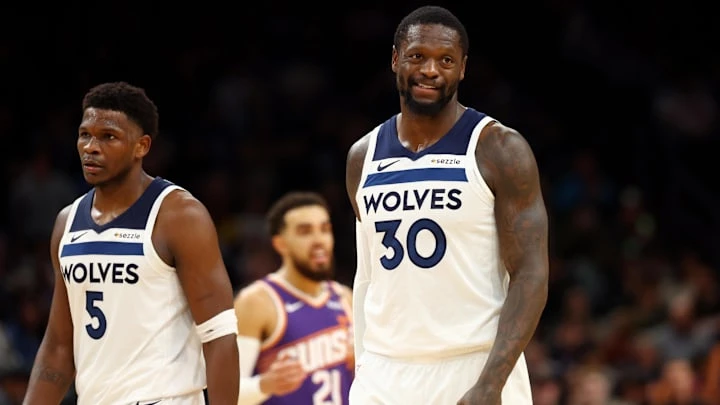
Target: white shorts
383 381
197 398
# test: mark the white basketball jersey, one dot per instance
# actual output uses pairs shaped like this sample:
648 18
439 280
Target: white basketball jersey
436 281
134 336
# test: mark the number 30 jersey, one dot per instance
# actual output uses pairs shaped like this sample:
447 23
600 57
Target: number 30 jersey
436 280
134 338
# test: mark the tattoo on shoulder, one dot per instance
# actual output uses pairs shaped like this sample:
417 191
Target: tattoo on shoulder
506 159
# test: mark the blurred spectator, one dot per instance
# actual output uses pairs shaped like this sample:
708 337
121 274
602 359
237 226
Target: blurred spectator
592 386
37 195
677 385
13 384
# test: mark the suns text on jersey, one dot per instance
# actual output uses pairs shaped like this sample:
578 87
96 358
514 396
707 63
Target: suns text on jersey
410 200
320 350
116 273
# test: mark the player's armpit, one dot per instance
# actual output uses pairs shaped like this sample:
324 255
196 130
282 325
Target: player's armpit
186 228
353 169
54 368
508 165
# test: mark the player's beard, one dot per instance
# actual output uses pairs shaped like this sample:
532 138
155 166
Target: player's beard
430 109
315 273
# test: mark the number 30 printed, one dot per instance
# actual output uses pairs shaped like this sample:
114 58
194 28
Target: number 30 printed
390 241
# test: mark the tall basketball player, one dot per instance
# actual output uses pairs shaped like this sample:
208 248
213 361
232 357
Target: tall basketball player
294 325
452 237
142 307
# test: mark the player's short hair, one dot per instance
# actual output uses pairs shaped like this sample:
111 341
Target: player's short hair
128 99
290 201
431 15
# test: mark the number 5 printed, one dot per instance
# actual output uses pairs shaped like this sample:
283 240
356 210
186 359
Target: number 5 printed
91 300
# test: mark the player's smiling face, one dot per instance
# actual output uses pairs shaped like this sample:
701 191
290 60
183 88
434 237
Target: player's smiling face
307 241
429 66
109 144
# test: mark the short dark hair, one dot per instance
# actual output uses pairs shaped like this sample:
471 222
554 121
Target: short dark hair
288 202
431 15
126 98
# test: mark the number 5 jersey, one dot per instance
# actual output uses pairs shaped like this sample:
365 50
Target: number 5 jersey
134 336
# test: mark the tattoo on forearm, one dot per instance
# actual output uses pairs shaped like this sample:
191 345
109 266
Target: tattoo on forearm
518 320
522 225
53 376
527 293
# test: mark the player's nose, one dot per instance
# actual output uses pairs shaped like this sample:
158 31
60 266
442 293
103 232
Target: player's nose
430 68
91 145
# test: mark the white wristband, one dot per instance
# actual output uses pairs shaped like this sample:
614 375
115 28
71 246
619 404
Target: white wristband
224 323
250 393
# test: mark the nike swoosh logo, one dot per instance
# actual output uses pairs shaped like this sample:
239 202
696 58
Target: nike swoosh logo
381 167
76 237
149 403
292 307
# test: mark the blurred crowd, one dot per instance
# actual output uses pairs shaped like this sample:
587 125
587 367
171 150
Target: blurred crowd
620 108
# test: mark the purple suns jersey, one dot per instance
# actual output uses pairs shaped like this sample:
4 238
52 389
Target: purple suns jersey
317 334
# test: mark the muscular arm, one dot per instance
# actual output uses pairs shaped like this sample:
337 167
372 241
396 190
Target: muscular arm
353 172
192 241
54 367
507 162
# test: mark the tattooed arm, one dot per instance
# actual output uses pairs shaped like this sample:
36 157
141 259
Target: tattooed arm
54 367
508 165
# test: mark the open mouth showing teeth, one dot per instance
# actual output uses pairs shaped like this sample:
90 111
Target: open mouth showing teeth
424 86
319 254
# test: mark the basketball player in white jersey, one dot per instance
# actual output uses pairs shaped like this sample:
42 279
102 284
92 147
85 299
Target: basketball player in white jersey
452 237
142 309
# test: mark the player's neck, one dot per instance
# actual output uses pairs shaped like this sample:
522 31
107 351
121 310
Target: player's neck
118 196
417 132
310 287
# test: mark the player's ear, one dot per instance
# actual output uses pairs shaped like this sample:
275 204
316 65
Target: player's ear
394 60
462 67
142 147
279 244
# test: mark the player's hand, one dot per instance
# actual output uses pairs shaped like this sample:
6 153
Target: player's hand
481 395
283 377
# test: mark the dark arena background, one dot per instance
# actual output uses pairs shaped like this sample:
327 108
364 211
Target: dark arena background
619 101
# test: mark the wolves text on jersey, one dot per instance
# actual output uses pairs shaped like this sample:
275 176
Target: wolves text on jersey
116 273
409 200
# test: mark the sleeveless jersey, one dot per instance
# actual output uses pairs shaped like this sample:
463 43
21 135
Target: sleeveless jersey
436 280
134 337
317 334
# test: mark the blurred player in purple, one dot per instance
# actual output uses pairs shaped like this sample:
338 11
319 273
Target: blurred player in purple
295 324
